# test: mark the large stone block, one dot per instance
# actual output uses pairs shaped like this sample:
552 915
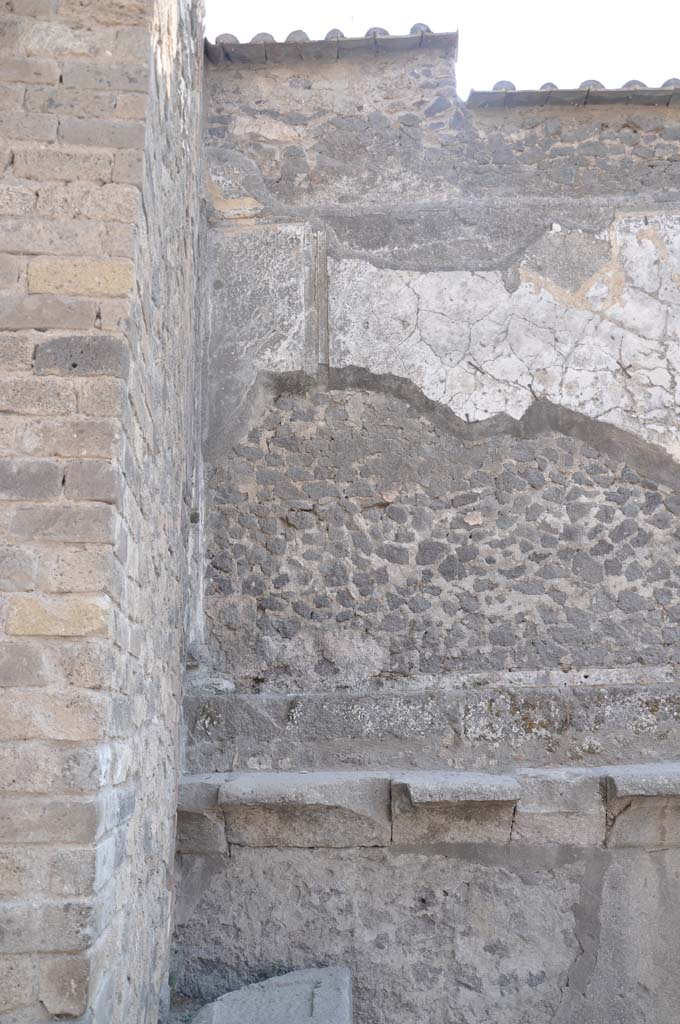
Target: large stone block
294 809
37 927
83 355
560 806
31 397
52 820
57 164
450 807
46 312
80 277
75 524
17 568
29 71
30 479
320 996
36 714
34 767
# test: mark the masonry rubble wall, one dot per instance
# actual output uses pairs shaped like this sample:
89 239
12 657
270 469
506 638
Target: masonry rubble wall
440 443
99 227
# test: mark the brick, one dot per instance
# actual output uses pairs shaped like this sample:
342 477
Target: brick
77 102
91 480
16 351
80 276
129 167
29 71
92 202
10 35
103 396
46 872
18 981
131 105
83 356
119 134
62 615
75 570
12 97
23 664
16 200
116 12
64 985
116 77
75 523
89 437
56 164
29 396
86 664
50 820
30 479
45 312
118 240
37 714
32 767
52 237
11 270
20 125
17 568
47 927
56 39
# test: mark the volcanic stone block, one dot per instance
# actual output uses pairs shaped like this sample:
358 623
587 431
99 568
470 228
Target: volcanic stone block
453 807
320 996
560 806
331 809
643 806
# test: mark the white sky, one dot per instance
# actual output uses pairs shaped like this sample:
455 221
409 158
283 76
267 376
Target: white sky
528 42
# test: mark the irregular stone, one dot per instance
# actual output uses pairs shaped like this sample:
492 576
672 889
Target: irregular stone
319 995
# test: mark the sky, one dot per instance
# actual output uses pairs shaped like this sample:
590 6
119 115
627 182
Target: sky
528 42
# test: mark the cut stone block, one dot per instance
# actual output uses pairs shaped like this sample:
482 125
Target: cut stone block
560 806
453 807
644 780
296 809
316 996
648 822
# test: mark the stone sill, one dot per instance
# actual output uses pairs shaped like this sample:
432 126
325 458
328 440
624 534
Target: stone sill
610 806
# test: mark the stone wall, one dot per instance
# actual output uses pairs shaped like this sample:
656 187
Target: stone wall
98 236
441 442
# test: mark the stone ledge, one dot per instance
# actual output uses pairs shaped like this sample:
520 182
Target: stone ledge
632 805
299 809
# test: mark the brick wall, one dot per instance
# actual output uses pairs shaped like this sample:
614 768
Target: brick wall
98 228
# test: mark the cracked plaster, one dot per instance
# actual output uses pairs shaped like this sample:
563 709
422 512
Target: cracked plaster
609 350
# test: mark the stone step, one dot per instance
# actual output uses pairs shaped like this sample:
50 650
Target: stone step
316 996
490 727
634 805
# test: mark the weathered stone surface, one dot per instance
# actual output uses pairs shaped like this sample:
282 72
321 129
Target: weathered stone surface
80 277
320 996
384 539
561 805
295 809
496 935
449 807
253 329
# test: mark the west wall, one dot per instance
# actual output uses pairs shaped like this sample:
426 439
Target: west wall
440 434
99 235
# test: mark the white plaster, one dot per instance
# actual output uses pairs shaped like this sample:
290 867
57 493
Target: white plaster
610 351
